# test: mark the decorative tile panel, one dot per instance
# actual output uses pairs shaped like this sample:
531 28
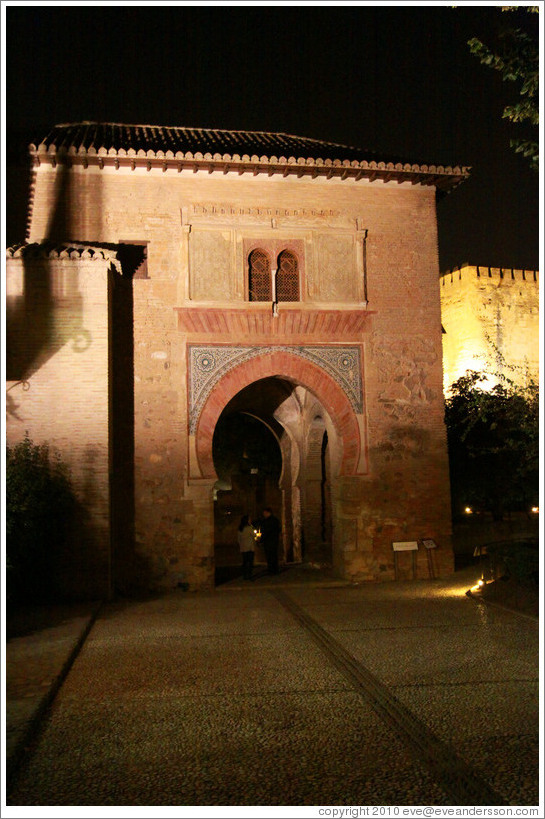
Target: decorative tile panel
208 364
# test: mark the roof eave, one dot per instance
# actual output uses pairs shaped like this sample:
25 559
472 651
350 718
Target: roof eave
441 177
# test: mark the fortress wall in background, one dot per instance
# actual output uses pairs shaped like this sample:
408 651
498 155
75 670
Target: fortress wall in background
490 318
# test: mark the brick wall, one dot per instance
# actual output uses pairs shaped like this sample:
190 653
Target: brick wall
399 489
57 392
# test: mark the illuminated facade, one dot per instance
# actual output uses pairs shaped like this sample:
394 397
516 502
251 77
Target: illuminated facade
175 278
490 320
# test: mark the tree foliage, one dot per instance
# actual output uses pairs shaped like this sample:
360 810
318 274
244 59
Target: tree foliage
516 56
493 439
39 505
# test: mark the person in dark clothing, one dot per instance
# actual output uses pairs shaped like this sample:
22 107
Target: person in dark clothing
270 536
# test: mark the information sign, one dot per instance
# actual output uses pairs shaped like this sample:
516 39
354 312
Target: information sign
405 545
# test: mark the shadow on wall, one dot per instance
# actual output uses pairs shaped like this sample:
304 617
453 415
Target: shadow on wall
131 571
45 311
79 561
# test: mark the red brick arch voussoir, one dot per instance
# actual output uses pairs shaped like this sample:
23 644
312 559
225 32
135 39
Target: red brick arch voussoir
293 368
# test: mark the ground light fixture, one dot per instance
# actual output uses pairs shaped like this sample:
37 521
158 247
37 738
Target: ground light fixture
478 587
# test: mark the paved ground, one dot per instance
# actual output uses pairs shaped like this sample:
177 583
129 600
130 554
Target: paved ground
287 691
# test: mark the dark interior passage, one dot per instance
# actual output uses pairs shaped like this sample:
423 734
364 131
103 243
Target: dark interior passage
271 448
248 462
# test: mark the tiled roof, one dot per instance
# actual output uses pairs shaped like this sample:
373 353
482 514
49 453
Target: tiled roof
256 151
204 140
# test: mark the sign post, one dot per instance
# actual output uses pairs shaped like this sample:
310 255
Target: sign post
430 544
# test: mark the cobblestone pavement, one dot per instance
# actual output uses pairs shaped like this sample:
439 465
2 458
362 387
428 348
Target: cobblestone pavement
280 693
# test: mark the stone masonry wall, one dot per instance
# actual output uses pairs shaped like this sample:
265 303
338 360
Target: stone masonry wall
404 494
491 318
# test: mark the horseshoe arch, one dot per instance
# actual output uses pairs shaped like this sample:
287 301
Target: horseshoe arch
348 425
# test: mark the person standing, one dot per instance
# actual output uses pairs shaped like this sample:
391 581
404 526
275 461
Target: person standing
270 536
246 542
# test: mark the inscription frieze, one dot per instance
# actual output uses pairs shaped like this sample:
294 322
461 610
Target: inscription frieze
226 209
272 217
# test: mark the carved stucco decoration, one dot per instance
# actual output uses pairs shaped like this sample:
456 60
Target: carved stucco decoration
336 266
211 264
207 364
402 366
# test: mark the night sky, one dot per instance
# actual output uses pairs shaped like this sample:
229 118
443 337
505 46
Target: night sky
394 80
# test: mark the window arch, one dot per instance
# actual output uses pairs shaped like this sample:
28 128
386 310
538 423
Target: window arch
259 276
287 277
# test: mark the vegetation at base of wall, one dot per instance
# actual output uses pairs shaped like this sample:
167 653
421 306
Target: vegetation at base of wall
493 441
39 505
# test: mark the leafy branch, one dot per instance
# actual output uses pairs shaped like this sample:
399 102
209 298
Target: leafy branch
517 59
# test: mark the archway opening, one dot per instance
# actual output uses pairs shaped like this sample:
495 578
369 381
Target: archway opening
248 462
315 481
274 445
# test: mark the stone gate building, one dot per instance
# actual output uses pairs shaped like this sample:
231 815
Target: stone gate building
175 278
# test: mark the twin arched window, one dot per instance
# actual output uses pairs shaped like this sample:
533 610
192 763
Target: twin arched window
260 282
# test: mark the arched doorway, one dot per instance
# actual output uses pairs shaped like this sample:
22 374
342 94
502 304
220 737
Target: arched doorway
321 440
316 487
248 462
271 448
297 372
